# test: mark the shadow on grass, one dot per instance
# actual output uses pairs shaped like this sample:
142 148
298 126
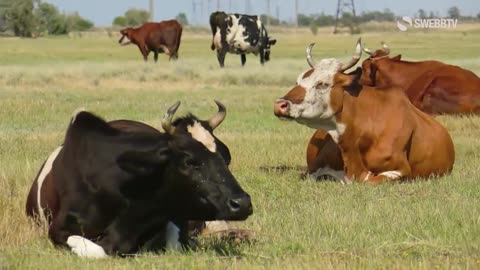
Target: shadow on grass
302 172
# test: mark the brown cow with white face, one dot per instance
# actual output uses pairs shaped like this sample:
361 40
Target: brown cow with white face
381 135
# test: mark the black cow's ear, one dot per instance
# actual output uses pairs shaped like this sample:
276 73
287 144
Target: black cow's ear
143 162
272 41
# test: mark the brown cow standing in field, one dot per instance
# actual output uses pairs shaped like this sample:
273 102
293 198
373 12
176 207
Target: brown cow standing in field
381 135
432 86
157 37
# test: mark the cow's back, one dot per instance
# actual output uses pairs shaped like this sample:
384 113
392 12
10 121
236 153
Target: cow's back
451 89
431 146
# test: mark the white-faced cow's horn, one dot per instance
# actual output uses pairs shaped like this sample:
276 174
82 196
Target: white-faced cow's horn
217 118
355 57
167 118
385 48
310 60
367 50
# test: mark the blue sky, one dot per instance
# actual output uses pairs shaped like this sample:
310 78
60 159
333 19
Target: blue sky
102 12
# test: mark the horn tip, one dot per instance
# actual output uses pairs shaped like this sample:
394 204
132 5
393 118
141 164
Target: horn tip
220 105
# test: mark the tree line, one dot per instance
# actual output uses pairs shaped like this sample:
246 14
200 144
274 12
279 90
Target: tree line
27 18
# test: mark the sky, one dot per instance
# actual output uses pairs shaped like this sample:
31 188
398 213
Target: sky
102 12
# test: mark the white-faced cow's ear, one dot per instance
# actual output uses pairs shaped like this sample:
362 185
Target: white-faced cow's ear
143 162
343 80
397 58
272 41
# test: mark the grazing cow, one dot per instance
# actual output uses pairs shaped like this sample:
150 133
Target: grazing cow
122 190
432 86
381 135
155 37
239 34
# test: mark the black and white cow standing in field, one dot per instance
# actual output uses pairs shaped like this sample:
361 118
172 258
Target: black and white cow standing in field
239 34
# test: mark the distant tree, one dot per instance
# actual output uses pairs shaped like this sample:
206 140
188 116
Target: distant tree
478 16
431 15
50 20
454 12
182 18
324 20
132 17
120 21
377 16
314 27
304 20
422 14
18 16
136 16
75 22
273 20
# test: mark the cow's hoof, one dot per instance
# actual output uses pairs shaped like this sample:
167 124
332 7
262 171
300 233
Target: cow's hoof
85 248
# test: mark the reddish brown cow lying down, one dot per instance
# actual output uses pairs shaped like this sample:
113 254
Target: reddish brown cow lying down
433 87
381 135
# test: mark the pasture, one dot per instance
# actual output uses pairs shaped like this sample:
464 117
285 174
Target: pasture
300 224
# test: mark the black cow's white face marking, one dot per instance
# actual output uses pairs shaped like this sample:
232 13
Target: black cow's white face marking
200 134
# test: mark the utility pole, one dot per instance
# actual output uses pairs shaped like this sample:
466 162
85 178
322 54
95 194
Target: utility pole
343 6
268 13
151 9
218 5
296 14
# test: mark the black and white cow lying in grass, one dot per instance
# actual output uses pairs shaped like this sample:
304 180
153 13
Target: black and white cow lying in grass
239 34
121 187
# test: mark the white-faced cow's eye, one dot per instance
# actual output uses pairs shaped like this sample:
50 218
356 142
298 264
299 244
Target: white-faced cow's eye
321 85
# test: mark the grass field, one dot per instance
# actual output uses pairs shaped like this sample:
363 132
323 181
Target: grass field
301 224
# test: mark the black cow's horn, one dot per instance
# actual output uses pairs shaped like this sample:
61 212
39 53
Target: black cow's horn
355 57
385 48
218 118
167 118
310 60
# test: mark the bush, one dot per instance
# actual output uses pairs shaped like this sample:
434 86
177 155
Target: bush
132 17
18 16
50 20
75 22
314 28
182 18
28 18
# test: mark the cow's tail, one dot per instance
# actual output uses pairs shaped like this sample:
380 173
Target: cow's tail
213 27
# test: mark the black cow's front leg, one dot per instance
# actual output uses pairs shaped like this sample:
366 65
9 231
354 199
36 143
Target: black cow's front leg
221 56
130 232
244 59
65 231
262 58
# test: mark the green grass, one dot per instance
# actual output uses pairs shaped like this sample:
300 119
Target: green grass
300 223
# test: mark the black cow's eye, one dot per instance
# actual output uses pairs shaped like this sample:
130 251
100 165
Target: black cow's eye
190 162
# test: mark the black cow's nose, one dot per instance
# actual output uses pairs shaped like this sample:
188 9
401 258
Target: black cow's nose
241 206
234 205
